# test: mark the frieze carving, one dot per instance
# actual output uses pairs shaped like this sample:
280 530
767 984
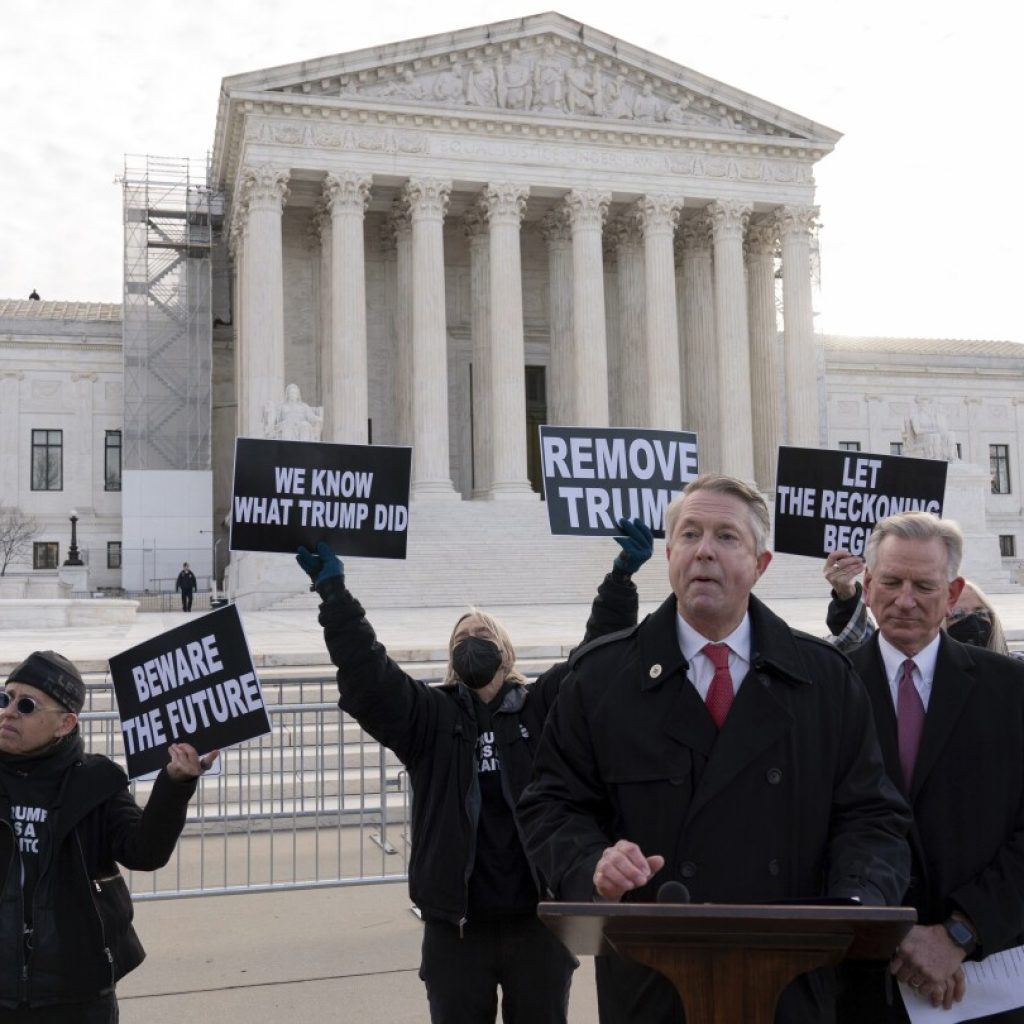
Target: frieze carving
546 76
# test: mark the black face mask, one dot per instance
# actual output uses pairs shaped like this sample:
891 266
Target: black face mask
973 629
475 661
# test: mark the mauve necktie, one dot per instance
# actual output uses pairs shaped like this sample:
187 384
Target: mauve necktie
719 698
909 721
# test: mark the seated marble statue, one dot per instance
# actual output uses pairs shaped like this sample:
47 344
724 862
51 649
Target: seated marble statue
293 419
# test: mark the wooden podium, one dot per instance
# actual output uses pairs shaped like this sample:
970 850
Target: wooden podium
729 962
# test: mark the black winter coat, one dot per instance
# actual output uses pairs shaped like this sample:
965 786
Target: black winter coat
83 940
789 801
433 730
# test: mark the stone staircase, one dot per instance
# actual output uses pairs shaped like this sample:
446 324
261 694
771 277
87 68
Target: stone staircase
502 553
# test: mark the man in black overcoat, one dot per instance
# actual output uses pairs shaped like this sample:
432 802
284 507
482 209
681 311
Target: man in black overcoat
715 747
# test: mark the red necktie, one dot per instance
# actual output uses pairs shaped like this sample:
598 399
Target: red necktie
909 721
720 694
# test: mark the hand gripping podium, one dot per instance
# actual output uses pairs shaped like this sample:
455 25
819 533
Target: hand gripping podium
729 962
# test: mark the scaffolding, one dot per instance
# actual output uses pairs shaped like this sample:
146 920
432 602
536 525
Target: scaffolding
172 219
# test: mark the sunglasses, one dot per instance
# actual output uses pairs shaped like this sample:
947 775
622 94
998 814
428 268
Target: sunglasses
24 705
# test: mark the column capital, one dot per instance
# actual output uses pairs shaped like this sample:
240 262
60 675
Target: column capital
427 198
658 213
728 218
319 227
762 238
265 186
587 208
627 230
346 192
399 219
505 201
474 222
555 226
796 221
696 234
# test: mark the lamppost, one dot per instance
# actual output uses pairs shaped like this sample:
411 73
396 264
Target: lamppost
73 556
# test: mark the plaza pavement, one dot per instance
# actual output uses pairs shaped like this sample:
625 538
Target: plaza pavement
339 954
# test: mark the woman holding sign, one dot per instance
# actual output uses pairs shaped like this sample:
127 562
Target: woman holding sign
469 746
67 820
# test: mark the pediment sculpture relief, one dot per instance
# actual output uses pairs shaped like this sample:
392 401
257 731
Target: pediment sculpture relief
550 81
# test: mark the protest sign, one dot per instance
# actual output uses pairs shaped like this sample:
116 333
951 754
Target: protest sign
193 684
353 496
830 500
594 476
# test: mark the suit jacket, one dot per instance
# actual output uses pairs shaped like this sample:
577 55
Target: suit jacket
967 793
789 800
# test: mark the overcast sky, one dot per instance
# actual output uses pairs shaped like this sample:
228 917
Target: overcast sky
920 202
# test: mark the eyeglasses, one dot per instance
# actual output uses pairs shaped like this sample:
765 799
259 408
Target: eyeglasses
24 705
961 613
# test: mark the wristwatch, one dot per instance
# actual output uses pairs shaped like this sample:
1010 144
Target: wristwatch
961 935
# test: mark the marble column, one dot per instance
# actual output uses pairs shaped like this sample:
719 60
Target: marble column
632 361
474 226
402 224
347 195
803 421
973 449
322 226
506 204
236 249
699 334
11 438
658 216
431 476
561 394
765 378
728 223
79 484
264 191
684 401
587 211
389 288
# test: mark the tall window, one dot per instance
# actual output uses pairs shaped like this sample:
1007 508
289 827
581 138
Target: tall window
113 554
47 460
1007 545
45 554
112 461
895 447
999 466
849 446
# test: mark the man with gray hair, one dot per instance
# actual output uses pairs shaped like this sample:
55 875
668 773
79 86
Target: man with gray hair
715 748
950 719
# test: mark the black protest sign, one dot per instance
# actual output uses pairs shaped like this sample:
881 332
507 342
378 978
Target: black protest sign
830 500
594 476
193 684
353 496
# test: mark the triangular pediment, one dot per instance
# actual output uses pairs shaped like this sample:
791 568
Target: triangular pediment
542 67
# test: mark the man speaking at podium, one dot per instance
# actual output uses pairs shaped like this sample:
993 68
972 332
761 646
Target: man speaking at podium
713 747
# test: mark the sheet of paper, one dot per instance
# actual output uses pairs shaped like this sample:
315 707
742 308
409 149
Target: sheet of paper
994 985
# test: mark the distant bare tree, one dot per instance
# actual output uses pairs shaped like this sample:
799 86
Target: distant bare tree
16 532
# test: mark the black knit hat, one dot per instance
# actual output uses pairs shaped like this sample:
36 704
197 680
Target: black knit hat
54 675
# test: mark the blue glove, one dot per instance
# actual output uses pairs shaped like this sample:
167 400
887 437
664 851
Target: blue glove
322 566
637 546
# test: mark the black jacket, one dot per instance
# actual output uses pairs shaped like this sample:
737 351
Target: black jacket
967 794
82 939
789 800
433 730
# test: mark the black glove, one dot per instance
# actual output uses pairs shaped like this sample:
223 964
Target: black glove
322 566
637 546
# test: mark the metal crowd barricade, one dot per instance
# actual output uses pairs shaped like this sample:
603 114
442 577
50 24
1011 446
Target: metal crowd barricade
314 803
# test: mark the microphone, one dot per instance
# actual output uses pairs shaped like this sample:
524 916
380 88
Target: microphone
673 892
